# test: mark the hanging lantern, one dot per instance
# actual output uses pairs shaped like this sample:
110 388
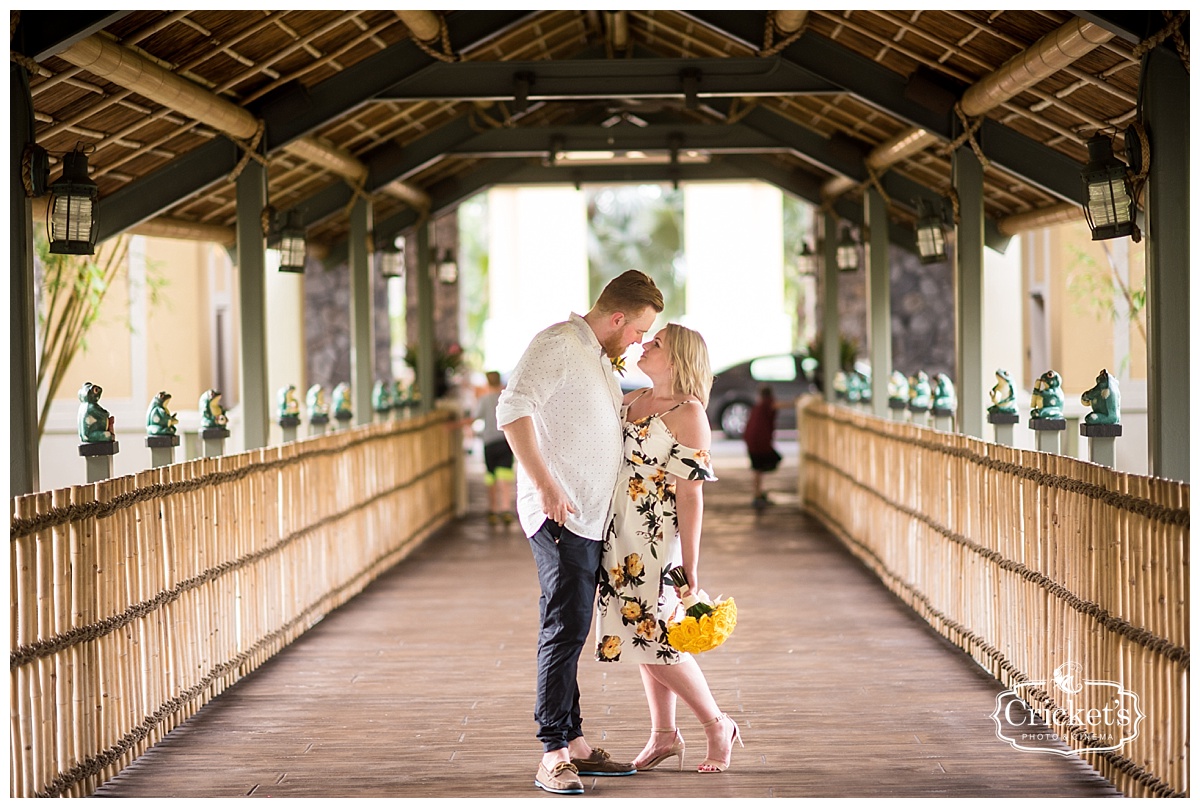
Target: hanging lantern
71 219
1110 210
847 252
391 259
806 260
931 237
447 268
290 243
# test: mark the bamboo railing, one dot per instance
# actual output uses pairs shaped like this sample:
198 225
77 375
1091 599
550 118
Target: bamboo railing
1025 560
137 600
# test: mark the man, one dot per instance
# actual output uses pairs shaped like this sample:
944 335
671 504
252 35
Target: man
561 415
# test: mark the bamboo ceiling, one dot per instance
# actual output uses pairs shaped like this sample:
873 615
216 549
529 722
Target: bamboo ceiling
252 58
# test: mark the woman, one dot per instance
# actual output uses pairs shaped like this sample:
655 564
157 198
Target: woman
655 525
760 441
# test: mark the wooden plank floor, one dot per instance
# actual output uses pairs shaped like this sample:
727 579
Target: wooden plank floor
423 685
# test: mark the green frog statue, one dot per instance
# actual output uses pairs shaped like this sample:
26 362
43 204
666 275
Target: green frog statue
95 422
318 407
212 414
1004 397
944 397
1047 400
288 405
1104 399
897 390
341 402
920 396
381 397
160 421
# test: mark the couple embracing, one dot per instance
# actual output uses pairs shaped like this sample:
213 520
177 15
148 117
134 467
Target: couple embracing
609 492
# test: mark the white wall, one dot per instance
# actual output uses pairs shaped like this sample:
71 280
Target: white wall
537 266
734 241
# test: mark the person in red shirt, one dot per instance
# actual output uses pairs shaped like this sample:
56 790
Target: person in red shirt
759 437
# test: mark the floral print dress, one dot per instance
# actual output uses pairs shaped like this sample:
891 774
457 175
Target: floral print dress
641 542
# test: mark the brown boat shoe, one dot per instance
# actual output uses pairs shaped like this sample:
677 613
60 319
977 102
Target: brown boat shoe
601 763
563 780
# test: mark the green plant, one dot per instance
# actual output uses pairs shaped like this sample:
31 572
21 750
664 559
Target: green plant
72 290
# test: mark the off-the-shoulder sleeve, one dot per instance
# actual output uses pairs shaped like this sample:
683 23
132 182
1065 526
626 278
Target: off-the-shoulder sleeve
690 464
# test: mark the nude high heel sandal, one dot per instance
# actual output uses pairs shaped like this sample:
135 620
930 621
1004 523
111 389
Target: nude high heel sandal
676 750
708 765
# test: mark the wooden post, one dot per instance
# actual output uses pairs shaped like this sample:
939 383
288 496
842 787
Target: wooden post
1002 422
1049 433
214 441
162 449
99 459
1102 442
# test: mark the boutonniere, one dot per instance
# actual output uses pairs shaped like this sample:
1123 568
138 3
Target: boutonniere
618 363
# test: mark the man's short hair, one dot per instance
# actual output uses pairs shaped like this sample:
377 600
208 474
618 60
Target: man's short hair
630 293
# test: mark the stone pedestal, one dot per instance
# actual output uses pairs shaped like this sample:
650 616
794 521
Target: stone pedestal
382 416
162 449
317 425
343 420
898 410
920 417
1102 442
1003 424
213 440
288 424
943 420
99 457
1049 433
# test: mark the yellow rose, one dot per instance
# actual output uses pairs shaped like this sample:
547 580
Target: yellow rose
631 611
647 627
633 565
610 647
637 488
704 457
618 577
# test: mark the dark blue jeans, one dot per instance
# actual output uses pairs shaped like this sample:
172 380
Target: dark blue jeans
567 566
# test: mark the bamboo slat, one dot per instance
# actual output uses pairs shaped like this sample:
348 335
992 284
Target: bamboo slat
1029 560
148 595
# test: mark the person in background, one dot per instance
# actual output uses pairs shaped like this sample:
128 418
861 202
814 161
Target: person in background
497 454
760 441
561 415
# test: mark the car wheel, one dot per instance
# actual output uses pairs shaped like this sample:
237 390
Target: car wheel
733 419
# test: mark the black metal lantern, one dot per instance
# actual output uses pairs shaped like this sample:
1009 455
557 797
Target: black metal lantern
931 235
290 243
1110 210
847 252
71 216
806 260
447 268
391 258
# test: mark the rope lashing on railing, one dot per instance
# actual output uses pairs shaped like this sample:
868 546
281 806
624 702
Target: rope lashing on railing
1143 637
51 645
1128 767
55 517
1126 502
98 763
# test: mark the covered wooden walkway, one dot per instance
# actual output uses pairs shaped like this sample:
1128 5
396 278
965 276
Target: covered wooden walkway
422 686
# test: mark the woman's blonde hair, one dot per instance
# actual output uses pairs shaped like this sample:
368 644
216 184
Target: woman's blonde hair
691 374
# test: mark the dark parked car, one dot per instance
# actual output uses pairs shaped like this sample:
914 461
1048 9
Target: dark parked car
735 390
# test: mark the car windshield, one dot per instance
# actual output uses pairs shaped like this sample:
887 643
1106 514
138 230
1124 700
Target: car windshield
774 369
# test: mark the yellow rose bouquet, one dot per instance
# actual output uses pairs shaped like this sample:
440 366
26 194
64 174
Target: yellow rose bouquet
705 624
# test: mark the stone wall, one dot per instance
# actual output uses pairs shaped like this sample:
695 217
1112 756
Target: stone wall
922 314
